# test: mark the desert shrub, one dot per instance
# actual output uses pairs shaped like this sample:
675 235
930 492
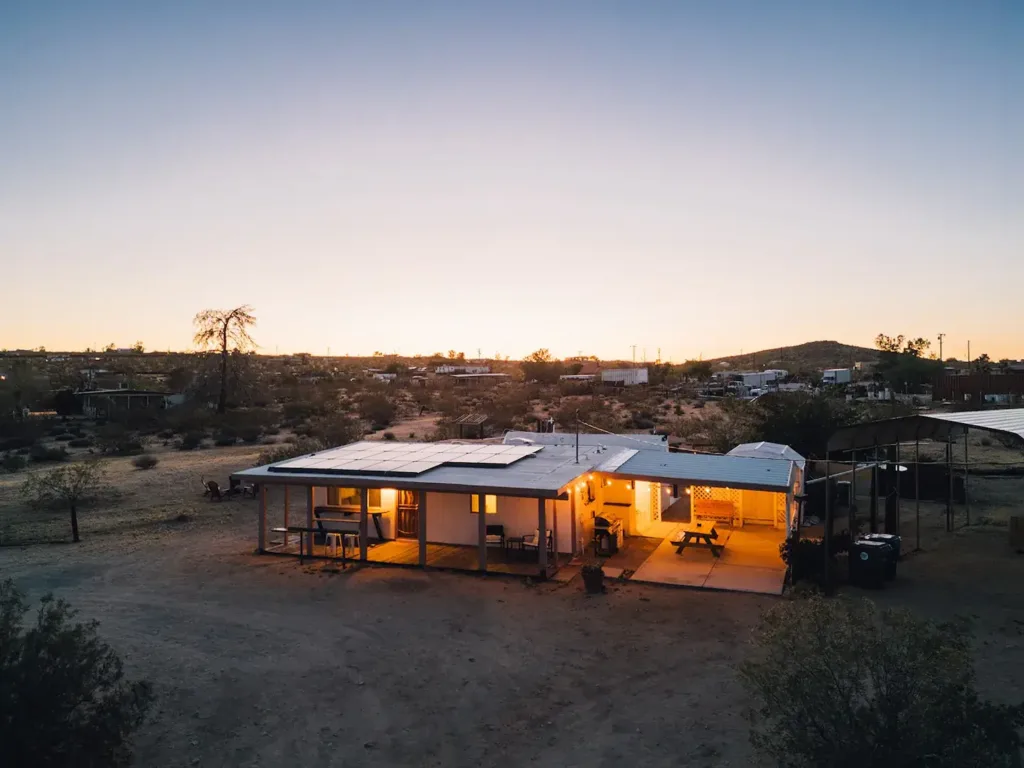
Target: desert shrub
291 439
12 462
389 436
986 441
63 437
249 434
334 430
16 443
165 434
80 442
377 410
41 452
268 440
191 440
412 435
145 461
287 450
78 712
225 439
272 430
871 687
114 438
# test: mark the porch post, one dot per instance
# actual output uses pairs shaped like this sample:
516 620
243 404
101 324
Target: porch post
364 520
542 535
309 519
899 472
827 538
917 491
422 518
554 529
481 506
286 500
572 521
967 501
263 518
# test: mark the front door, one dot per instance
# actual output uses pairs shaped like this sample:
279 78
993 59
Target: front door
408 514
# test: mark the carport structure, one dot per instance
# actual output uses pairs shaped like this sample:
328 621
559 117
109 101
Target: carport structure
874 436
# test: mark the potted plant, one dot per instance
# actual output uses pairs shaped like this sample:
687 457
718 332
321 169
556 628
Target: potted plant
593 579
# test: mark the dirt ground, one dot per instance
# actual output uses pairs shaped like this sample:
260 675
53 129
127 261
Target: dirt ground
261 661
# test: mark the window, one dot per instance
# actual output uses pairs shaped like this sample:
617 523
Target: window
490 504
349 497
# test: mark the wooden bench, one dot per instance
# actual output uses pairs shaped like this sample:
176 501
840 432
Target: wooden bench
714 511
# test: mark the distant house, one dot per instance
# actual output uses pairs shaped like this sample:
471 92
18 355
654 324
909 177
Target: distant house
478 379
107 402
387 378
624 377
473 425
448 370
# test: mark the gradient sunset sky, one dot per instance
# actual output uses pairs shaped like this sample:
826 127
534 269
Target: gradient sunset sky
701 177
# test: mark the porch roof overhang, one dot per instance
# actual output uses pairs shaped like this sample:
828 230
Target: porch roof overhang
546 475
927 426
741 472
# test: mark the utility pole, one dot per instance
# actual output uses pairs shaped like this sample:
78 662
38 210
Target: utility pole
968 355
941 337
634 355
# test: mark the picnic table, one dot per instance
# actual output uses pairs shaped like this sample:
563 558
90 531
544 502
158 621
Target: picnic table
699 537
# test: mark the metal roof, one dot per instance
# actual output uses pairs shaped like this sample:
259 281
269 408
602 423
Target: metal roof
636 442
710 469
542 475
927 426
765 450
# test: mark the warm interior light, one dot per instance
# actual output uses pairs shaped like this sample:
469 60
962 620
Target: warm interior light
687 491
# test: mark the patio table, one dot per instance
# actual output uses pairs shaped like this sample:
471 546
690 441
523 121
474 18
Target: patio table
697 537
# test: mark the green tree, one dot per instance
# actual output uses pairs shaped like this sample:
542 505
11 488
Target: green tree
138 347
224 330
700 370
847 685
541 366
65 486
800 420
64 699
902 366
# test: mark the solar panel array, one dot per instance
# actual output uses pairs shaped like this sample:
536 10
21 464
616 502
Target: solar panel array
404 458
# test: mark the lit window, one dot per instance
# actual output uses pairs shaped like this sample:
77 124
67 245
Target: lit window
490 504
349 497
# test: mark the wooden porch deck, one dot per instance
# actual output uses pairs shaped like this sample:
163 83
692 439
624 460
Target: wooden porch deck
405 552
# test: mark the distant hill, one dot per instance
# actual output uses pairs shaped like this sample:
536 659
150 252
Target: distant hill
812 356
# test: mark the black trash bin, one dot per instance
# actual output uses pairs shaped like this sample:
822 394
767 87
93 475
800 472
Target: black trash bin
894 542
868 563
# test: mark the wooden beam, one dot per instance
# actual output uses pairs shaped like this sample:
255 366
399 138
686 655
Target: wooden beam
554 531
572 524
542 535
364 523
481 506
263 518
421 516
309 519
287 488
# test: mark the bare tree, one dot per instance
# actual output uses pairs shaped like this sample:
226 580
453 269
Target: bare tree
65 486
224 330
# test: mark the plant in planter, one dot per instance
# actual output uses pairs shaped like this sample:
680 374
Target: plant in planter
593 579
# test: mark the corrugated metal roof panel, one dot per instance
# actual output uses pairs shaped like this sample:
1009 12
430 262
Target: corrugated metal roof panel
711 469
637 442
930 426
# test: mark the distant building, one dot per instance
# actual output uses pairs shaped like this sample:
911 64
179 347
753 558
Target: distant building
624 377
836 376
448 370
106 402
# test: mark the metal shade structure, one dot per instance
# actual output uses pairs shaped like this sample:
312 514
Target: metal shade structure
927 426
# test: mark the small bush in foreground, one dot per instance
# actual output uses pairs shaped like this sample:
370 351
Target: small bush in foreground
389 436
191 441
145 461
223 440
844 684
78 712
12 462
80 442
40 452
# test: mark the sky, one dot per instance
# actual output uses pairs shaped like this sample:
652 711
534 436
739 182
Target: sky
699 178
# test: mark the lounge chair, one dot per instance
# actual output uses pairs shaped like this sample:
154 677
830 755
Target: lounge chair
212 489
495 536
532 540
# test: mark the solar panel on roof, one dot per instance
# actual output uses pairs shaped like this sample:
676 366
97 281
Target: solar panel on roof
403 458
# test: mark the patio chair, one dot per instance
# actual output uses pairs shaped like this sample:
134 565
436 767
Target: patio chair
532 540
495 536
212 489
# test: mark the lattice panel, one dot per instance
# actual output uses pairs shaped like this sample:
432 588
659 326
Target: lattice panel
707 493
780 510
656 502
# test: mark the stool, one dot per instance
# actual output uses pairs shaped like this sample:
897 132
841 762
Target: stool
349 541
331 542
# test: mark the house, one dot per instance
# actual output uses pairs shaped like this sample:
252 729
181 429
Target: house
107 402
624 377
531 504
479 379
448 370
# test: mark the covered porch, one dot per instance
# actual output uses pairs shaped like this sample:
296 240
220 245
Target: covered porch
476 532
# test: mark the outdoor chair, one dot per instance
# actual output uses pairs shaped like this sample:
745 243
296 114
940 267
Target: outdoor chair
532 540
495 536
212 489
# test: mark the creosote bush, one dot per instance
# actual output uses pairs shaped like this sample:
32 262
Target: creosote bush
145 461
842 683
